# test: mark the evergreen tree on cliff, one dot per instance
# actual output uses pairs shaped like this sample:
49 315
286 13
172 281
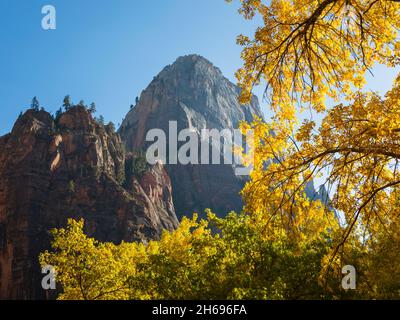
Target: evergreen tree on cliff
35 104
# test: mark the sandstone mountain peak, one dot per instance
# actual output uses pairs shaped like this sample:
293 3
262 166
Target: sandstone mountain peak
189 64
196 95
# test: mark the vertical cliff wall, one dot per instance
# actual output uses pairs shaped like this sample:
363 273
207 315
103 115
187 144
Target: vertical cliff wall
70 168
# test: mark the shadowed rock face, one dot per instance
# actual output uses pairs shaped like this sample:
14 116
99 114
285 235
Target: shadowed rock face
74 168
195 94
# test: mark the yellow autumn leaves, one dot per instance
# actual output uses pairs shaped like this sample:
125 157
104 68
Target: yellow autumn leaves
308 51
238 257
356 148
231 258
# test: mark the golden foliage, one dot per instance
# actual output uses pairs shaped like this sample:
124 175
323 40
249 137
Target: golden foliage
231 258
307 51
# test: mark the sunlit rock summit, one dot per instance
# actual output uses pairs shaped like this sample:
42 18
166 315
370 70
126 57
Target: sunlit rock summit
196 95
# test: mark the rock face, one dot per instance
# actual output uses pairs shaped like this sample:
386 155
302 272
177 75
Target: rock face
70 168
197 96
322 195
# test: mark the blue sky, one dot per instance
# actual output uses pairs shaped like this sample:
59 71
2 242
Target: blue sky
107 51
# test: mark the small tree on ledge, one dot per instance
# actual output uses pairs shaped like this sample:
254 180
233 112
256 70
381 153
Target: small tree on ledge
92 108
67 103
100 120
35 104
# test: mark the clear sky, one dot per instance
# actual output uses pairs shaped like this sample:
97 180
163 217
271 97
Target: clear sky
107 51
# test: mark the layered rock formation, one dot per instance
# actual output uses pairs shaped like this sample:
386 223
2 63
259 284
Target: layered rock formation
196 95
70 168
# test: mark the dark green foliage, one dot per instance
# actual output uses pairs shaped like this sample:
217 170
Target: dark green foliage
58 114
71 186
139 164
111 126
100 120
121 177
82 104
92 108
136 164
67 103
35 104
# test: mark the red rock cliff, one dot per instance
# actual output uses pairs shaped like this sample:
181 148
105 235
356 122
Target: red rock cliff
70 168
